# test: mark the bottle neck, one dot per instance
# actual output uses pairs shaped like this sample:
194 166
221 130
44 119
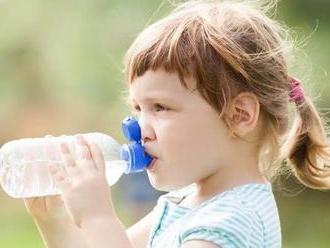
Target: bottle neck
121 165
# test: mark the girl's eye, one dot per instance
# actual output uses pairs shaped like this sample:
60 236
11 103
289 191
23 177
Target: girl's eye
136 108
159 107
156 107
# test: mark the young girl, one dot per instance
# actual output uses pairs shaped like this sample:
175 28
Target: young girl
211 89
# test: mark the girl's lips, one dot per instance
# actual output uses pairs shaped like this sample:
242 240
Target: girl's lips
151 166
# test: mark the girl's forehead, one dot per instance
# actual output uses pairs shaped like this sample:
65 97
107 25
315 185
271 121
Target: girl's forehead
160 83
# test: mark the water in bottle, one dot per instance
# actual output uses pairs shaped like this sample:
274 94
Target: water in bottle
24 162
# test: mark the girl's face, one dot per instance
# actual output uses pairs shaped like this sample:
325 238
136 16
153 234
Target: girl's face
179 128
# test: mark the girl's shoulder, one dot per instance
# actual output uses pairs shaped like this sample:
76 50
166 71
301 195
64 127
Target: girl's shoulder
249 203
245 195
246 214
243 215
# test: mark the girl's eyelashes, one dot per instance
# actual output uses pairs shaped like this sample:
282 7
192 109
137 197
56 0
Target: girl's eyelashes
154 107
158 107
136 108
135 111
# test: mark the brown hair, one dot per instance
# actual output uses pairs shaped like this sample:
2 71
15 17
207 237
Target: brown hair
230 47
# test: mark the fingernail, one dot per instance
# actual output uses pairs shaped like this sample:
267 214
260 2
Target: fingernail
51 168
64 148
80 140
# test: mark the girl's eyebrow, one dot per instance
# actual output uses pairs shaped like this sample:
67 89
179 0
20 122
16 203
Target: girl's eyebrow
153 99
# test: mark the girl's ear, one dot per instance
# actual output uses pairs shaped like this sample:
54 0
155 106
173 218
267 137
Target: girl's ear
244 113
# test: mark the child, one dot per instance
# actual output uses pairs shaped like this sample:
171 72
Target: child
211 89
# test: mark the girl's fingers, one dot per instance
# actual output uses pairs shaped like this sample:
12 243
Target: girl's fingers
63 183
84 155
53 169
83 151
69 161
66 155
98 157
61 178
56 168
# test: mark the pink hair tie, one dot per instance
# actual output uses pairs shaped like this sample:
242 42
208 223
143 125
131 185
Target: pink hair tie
296 94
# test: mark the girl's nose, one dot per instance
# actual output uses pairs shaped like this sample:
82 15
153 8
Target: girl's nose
147 131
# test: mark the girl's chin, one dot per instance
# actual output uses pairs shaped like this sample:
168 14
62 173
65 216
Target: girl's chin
162 184
157 182
153 165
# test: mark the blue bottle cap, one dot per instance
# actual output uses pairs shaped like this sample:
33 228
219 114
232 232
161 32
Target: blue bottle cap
136 157
131 129
134 152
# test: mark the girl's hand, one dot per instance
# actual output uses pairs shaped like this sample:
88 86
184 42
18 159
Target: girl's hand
46 208
85 191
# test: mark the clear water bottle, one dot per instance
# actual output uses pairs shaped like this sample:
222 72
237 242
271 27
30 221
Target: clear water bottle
24 162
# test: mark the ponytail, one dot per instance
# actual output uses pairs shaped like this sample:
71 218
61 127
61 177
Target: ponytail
307 146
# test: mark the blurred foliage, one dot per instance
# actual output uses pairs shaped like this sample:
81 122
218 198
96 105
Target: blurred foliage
61 72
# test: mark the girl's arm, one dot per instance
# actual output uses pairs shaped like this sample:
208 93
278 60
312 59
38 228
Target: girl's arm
107 229
58 231
87 197
54 224
60 234
139 232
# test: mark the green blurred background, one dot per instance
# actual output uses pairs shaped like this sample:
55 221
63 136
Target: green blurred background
61 73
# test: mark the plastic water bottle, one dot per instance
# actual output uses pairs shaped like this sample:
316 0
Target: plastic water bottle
24 162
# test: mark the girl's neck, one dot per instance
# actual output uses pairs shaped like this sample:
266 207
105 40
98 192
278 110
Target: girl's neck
222 181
